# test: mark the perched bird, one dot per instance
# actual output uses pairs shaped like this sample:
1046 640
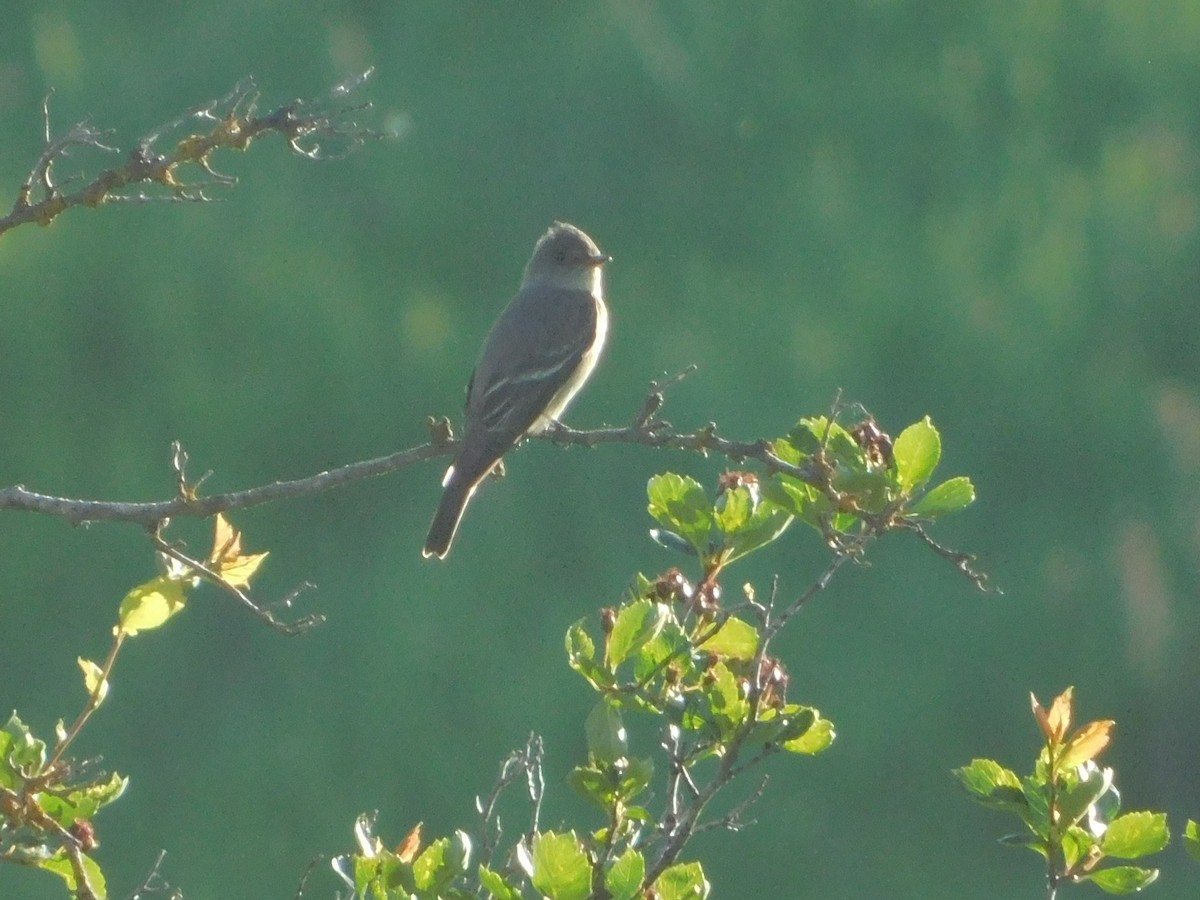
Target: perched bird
536 357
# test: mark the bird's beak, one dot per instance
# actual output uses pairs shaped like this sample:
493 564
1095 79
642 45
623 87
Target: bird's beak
599 259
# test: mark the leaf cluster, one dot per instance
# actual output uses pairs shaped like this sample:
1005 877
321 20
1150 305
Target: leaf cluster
1070 806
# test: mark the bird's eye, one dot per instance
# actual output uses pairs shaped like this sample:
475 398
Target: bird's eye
560 256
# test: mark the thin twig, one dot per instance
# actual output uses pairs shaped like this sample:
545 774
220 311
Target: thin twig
230 123
651 433
154 883
262 611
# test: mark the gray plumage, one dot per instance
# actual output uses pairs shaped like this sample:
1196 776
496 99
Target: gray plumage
536 357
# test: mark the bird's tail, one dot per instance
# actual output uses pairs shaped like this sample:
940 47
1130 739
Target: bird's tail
455 495
472 466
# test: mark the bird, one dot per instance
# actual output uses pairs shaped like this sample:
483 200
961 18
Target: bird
537 356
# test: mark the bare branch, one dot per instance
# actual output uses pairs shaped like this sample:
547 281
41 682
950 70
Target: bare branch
149 514
228 123
155 884
961 561
652 432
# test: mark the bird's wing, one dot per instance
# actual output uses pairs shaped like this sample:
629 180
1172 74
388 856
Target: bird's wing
534 349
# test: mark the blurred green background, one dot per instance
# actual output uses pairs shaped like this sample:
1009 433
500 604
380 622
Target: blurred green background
987 212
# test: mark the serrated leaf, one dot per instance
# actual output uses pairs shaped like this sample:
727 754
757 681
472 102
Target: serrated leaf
581 656
1074 800
1086 744
1077 843
150 605
592 784
430 871
982 776
949 496
227 558
495 885
635 625
636 773
669 644
733 509
82 802
1191 839
623 880
672 541
94 681
1122 879
606 737
1135 834
61 865
580 646
679 503
560 867
818 737
778 725
19 750
765 525
917 452
735 639
724 694
682 881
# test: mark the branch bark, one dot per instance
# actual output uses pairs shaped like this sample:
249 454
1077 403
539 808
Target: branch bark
230 123
651 432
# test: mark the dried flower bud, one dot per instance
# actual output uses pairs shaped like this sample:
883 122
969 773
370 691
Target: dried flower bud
608 618
673 586
773 681
84 833
875 442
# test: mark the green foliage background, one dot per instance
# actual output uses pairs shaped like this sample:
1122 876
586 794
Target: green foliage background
983 211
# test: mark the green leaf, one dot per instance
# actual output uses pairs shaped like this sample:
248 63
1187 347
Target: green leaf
560 867
733 509
917 452
765 525
1036 808
635 625
982 776
779 725
581 655
82 803
735 639
94 681
623 880
1077 843
606 738
679 503
60 864
949 496
21 753
635 775
430 871
1135 834
1074 800
1024 839
1191 839
592 783
671 541
150 605
682 881
724 694
495 885
1122 879
818 737
670 644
